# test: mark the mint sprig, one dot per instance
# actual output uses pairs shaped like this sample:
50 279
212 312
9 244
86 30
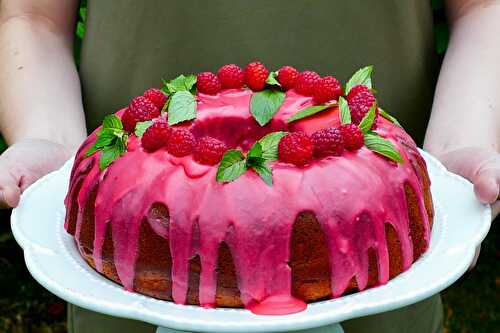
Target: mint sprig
181 104
382 146
345 113
309 111
272 79
111 141
367 122
141 127
234 163
265 104
362 76
387 116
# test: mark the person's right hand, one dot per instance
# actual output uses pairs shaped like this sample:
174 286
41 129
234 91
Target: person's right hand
23 163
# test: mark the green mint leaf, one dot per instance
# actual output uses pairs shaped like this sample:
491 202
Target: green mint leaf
271 79
177 84
108 155
165 106
362 77
189 82
122 144
265 104
255 151
141 127
345 113
232 166
387 116
105 137
112 121
367 122
382 146
309 111
269 145
182 107
264 171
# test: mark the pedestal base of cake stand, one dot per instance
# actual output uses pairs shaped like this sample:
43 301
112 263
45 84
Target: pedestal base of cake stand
333 328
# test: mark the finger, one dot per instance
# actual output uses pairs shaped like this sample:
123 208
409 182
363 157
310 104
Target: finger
487 184
9 196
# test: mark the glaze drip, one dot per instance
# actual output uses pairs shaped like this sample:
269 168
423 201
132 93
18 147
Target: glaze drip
352 196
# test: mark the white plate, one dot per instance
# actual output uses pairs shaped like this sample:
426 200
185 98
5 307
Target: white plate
461 223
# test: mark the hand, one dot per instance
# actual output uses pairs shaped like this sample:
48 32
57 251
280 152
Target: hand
25 162
482 168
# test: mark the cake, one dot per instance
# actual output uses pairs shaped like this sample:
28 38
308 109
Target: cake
250 188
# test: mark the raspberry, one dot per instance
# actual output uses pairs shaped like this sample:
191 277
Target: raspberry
287 76
231 76
328 142
353 137
156 136
360 100
326 89
209 151
296 148
180 142
139 109
156 96
256 75
305 82
208 83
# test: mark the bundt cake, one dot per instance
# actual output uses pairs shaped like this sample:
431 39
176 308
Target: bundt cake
249 188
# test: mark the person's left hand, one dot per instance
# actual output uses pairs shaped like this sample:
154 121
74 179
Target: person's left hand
482 168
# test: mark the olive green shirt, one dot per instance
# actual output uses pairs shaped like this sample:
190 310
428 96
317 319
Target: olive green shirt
130 45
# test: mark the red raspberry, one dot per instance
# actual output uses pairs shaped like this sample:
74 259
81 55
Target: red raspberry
256 75
305 82
360 100
180 142
209 151
156 136
287 76
231 76
328 142
326 89
353 137
208 83
139 109
296 148
156 96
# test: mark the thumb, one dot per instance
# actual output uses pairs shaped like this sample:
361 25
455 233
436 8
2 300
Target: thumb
9 192
487 184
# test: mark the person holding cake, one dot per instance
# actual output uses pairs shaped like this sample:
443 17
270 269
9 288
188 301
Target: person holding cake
42 116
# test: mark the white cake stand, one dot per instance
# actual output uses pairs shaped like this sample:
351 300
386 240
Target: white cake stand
461 223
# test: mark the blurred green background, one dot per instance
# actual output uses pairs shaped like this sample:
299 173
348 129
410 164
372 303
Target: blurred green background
470 305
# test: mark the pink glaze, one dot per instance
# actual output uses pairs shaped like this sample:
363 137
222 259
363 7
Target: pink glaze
352 196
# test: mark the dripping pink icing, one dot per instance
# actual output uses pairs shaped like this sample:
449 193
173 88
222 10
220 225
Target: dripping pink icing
352 196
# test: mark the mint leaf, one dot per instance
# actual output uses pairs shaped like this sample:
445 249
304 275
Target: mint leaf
367 122
141 127
271 79
255 151
189 82
269 144
232 166
177 84
182 107
265 104
362 77
309 111
387 116
264 171
382 146
112 121
108 155
345 113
